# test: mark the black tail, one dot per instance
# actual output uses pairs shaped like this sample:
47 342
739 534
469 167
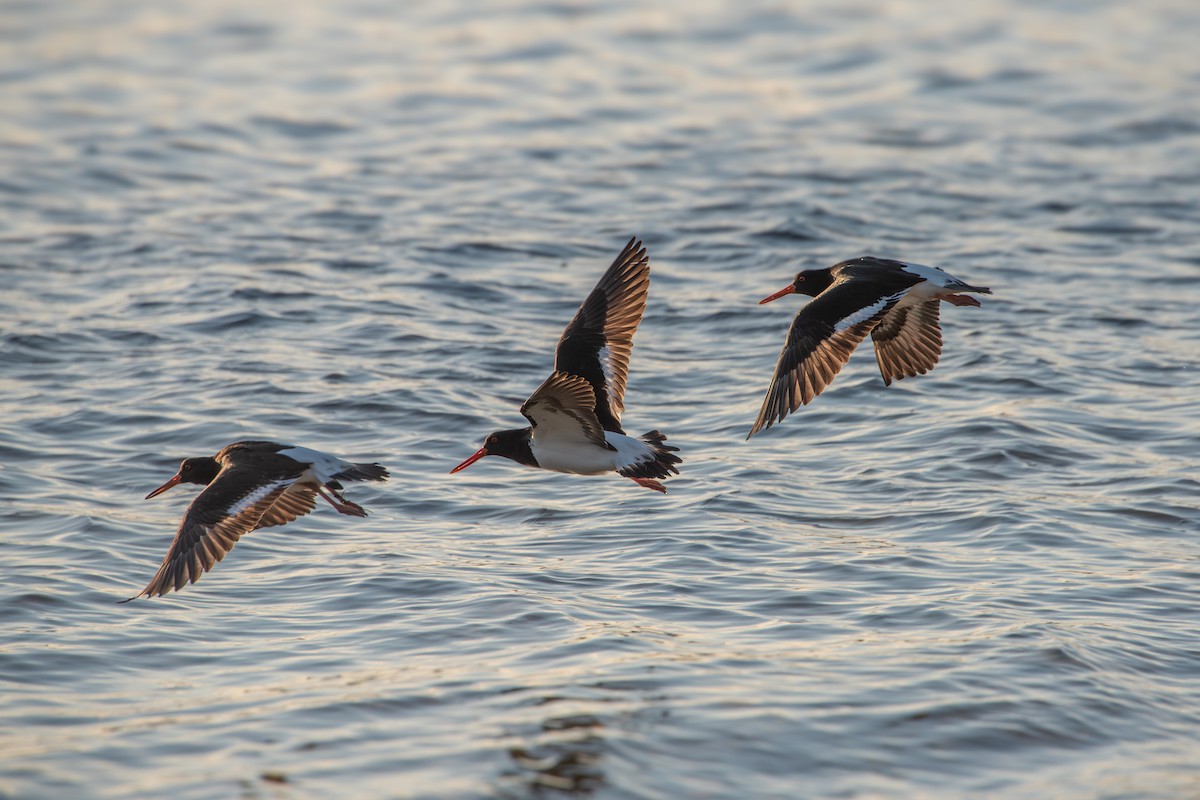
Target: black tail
363 472
663 463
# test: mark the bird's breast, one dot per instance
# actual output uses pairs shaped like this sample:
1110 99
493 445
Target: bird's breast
577 458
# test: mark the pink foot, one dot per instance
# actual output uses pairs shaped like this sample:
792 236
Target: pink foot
353 509
650 483
341 504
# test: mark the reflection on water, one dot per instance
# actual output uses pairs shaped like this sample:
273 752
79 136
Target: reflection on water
364 229
567 757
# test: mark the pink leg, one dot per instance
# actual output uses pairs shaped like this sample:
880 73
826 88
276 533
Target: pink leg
341 504
960 299
650 483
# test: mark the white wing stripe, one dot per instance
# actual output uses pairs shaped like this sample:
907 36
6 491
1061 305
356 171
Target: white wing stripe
604 356
258 494
864 314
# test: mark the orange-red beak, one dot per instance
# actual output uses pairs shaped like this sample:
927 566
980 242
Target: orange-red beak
480 453
789 289
165 486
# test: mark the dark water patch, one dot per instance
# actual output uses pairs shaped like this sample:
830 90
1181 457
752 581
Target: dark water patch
132 337
192 146
46 348
109 178
75 241
353 265
355 222
1044 386
1146 131
10 187
792 230
175 176
1158 517
302 129
276 239
916 138
846 61
47 666
1114 228
475 249
542 51
256 293
85 421
255 31
231 321
1055 206
338 378
1123 322
943 80
560 764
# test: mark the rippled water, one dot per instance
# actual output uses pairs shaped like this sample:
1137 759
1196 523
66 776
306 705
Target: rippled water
361 228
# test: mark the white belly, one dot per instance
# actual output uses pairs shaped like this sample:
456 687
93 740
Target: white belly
574 457
918 294
591 460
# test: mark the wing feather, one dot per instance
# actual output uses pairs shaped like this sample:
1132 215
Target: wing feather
227 509
298 500
598 342
563 408
908 341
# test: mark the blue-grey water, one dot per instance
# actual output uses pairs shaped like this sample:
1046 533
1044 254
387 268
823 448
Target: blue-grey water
361 227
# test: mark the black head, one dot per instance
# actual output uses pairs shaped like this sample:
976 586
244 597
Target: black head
512 444
201 470
810 282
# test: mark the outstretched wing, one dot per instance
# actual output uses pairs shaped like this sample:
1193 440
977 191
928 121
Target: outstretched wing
820 341
597 343
229 508
908 341
563 410
296 501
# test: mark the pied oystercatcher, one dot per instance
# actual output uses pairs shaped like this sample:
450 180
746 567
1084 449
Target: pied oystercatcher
575 415
896 302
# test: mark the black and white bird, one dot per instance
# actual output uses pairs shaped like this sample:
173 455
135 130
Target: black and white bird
894 301
575 415
249 485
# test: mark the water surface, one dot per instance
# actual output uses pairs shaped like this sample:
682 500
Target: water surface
361 228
